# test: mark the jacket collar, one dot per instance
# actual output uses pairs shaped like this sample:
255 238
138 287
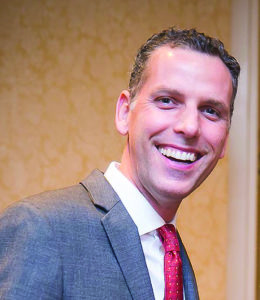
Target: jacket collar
189 280
122 234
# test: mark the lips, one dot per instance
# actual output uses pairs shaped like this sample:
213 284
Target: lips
179 155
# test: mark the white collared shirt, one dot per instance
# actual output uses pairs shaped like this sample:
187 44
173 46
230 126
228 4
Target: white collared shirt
147 221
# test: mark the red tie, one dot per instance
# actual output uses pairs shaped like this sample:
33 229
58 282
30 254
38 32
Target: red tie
172 263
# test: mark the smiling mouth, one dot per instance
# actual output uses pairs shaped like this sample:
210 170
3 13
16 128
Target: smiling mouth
178 155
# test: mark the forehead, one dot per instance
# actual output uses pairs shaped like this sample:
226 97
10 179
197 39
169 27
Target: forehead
181 58
187 69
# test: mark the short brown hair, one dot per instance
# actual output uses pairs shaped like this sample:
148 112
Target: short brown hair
188 38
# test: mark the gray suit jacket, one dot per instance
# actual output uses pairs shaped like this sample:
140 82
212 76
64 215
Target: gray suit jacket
76 243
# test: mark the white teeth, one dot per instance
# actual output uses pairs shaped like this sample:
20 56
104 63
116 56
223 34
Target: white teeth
192 157
184 156
177 154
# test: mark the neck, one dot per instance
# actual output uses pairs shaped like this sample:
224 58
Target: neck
165 205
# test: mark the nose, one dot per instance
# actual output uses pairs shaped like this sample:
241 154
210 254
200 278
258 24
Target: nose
187 122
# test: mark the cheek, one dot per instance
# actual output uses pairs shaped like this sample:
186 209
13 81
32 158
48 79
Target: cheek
216 137
159 121
148 125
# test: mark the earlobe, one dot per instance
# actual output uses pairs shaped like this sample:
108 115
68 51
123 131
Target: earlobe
122 112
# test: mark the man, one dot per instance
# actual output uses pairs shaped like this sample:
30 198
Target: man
106 238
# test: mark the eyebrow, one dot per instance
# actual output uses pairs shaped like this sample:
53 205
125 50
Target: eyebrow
167 91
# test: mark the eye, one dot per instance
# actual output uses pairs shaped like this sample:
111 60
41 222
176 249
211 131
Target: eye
166 102
211 113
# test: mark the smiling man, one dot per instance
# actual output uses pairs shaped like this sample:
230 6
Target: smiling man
177 125
113 236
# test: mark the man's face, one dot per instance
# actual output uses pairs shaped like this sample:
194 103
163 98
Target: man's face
177 125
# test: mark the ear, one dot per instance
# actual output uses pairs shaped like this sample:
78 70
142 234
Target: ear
223 152
122 112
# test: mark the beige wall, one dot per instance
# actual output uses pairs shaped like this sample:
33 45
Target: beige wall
62 66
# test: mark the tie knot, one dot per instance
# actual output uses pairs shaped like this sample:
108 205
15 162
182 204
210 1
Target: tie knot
169 238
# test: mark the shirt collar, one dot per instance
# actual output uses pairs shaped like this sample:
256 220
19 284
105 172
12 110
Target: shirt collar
140 210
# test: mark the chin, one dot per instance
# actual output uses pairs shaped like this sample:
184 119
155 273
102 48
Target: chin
173 193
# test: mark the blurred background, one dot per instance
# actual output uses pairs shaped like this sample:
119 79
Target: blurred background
63 64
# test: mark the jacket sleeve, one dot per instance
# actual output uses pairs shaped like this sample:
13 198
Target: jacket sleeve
30 263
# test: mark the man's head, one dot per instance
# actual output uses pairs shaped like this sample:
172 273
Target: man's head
177 119
190 39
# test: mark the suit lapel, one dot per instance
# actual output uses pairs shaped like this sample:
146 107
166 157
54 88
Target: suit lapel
126 244
123 236
189 280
